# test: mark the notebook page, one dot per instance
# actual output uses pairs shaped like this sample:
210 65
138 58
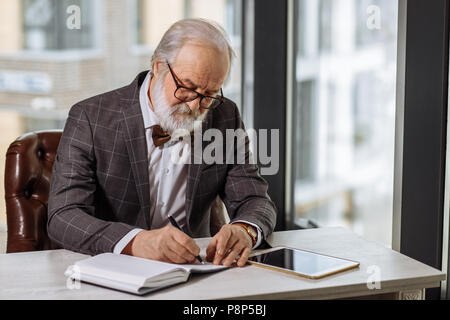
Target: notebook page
126 269
202 268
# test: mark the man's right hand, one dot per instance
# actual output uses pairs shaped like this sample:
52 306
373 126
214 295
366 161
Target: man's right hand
167 244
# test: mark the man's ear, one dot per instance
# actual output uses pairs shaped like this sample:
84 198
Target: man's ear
156 68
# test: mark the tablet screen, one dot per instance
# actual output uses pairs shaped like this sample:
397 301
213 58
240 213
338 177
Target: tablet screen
303 262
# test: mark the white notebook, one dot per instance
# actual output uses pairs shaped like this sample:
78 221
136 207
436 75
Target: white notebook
132 274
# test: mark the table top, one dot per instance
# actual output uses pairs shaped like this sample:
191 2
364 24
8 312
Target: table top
40 275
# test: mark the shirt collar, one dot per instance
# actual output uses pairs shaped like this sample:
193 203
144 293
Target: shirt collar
150 118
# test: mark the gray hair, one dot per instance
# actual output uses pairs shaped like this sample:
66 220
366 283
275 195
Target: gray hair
191 31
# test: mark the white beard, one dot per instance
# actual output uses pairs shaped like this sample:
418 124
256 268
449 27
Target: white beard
179 118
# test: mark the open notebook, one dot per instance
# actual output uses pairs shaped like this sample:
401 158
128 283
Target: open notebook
132 274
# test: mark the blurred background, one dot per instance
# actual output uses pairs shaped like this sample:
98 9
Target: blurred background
344 102
343 87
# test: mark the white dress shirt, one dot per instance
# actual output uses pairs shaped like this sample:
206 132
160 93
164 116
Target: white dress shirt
167 178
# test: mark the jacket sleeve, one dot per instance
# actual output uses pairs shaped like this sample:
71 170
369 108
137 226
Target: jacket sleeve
245 193
71 206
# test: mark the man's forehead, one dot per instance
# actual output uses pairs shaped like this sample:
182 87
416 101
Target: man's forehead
197 57
196 65
198 48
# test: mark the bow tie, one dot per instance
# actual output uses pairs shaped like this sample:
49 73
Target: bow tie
159 136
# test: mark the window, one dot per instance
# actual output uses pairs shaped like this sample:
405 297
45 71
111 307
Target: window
45 25
345 115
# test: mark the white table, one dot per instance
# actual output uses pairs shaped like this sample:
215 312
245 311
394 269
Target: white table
40 275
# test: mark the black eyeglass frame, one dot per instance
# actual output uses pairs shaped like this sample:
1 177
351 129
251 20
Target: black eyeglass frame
219 99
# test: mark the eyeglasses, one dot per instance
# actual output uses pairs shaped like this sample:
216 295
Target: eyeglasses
185 95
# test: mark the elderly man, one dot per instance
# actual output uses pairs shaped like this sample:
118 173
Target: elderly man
115 184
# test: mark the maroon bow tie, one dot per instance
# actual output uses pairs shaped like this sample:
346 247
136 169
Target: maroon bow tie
159 136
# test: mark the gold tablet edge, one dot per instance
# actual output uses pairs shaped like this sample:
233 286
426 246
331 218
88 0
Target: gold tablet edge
298 274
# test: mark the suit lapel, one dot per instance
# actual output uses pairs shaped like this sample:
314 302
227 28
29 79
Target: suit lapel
135 140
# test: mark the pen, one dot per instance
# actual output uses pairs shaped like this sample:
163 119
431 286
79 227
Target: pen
175 224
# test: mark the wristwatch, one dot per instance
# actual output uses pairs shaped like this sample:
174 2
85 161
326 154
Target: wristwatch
251 232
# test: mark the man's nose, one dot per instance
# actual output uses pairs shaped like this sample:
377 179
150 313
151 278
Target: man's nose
194 104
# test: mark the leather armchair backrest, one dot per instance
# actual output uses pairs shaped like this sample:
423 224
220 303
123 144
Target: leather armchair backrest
29 162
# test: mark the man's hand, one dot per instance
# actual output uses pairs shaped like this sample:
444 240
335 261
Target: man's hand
230 242
167 244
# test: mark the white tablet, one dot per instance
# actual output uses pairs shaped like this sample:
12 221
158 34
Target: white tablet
303 263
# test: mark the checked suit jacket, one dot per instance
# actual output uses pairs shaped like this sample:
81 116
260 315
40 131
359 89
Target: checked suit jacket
99 189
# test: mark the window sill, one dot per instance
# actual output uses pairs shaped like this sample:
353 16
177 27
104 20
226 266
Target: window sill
44 114
53 55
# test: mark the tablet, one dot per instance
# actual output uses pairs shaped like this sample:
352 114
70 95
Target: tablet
302 263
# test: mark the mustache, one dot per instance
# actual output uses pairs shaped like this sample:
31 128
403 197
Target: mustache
183 108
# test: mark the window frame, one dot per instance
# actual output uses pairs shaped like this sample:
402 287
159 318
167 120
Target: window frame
270 88
421 134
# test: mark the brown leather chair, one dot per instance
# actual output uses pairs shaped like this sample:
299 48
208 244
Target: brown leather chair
29 162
